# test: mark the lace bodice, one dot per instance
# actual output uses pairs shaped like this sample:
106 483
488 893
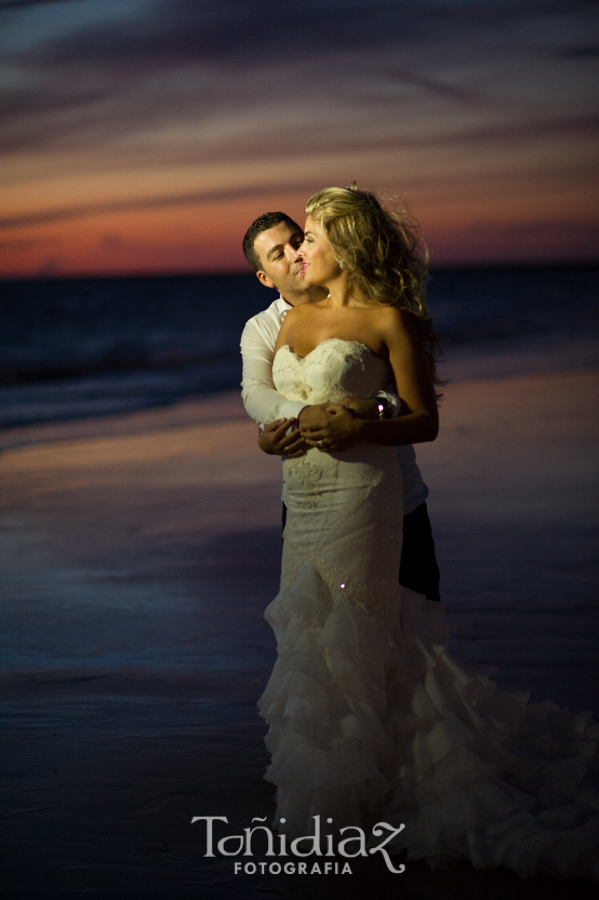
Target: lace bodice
333 370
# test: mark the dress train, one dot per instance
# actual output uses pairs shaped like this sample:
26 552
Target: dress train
371 719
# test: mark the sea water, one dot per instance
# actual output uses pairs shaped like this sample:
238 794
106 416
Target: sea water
84 347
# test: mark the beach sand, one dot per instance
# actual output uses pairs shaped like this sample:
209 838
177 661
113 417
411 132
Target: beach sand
139 552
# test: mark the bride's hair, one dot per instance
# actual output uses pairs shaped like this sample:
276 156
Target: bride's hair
380 251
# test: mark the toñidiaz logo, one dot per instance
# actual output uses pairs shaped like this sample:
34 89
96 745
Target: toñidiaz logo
348 847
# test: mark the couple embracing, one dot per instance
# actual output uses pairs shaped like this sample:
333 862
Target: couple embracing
369 716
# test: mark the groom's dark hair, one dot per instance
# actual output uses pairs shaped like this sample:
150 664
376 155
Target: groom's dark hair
263 223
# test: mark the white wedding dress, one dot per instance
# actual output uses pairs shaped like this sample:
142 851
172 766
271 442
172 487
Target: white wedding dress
370 718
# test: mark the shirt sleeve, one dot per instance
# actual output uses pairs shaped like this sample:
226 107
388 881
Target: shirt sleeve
262 401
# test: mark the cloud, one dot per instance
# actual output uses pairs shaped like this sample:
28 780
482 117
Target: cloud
13 244
412 91
16 4
192 198
22 103
193 58
582 52
220 77
239 34
297 175
431 84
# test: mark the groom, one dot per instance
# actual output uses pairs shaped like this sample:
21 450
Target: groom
271 246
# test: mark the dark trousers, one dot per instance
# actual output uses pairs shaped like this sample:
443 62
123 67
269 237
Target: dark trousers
418 567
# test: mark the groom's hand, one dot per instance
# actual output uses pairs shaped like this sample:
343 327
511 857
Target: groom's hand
275 439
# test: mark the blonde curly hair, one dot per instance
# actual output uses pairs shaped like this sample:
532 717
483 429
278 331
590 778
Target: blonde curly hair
381 252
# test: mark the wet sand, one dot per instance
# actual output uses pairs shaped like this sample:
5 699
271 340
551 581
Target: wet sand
139 552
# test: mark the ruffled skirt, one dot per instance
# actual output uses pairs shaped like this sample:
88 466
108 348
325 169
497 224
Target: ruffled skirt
370 717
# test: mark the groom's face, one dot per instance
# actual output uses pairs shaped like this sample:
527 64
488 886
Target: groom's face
281 264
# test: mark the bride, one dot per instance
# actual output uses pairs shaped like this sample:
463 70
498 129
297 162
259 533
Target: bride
370 718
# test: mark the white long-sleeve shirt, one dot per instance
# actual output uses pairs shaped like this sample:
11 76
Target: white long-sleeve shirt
264 404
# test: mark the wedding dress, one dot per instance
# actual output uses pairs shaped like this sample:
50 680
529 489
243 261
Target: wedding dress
370 717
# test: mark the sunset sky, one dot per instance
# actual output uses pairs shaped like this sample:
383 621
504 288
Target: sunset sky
145 135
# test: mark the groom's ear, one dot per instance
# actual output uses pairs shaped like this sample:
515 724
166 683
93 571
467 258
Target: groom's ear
264 279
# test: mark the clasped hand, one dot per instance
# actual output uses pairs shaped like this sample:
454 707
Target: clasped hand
335 427
327 426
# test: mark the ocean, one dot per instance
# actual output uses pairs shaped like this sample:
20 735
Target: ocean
80 347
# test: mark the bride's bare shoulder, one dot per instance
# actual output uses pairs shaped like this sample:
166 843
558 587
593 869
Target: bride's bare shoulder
396 328
394 319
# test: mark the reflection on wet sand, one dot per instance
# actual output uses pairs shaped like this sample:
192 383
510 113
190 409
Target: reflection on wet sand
140 552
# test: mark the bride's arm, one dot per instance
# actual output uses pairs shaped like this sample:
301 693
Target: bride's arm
410 363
